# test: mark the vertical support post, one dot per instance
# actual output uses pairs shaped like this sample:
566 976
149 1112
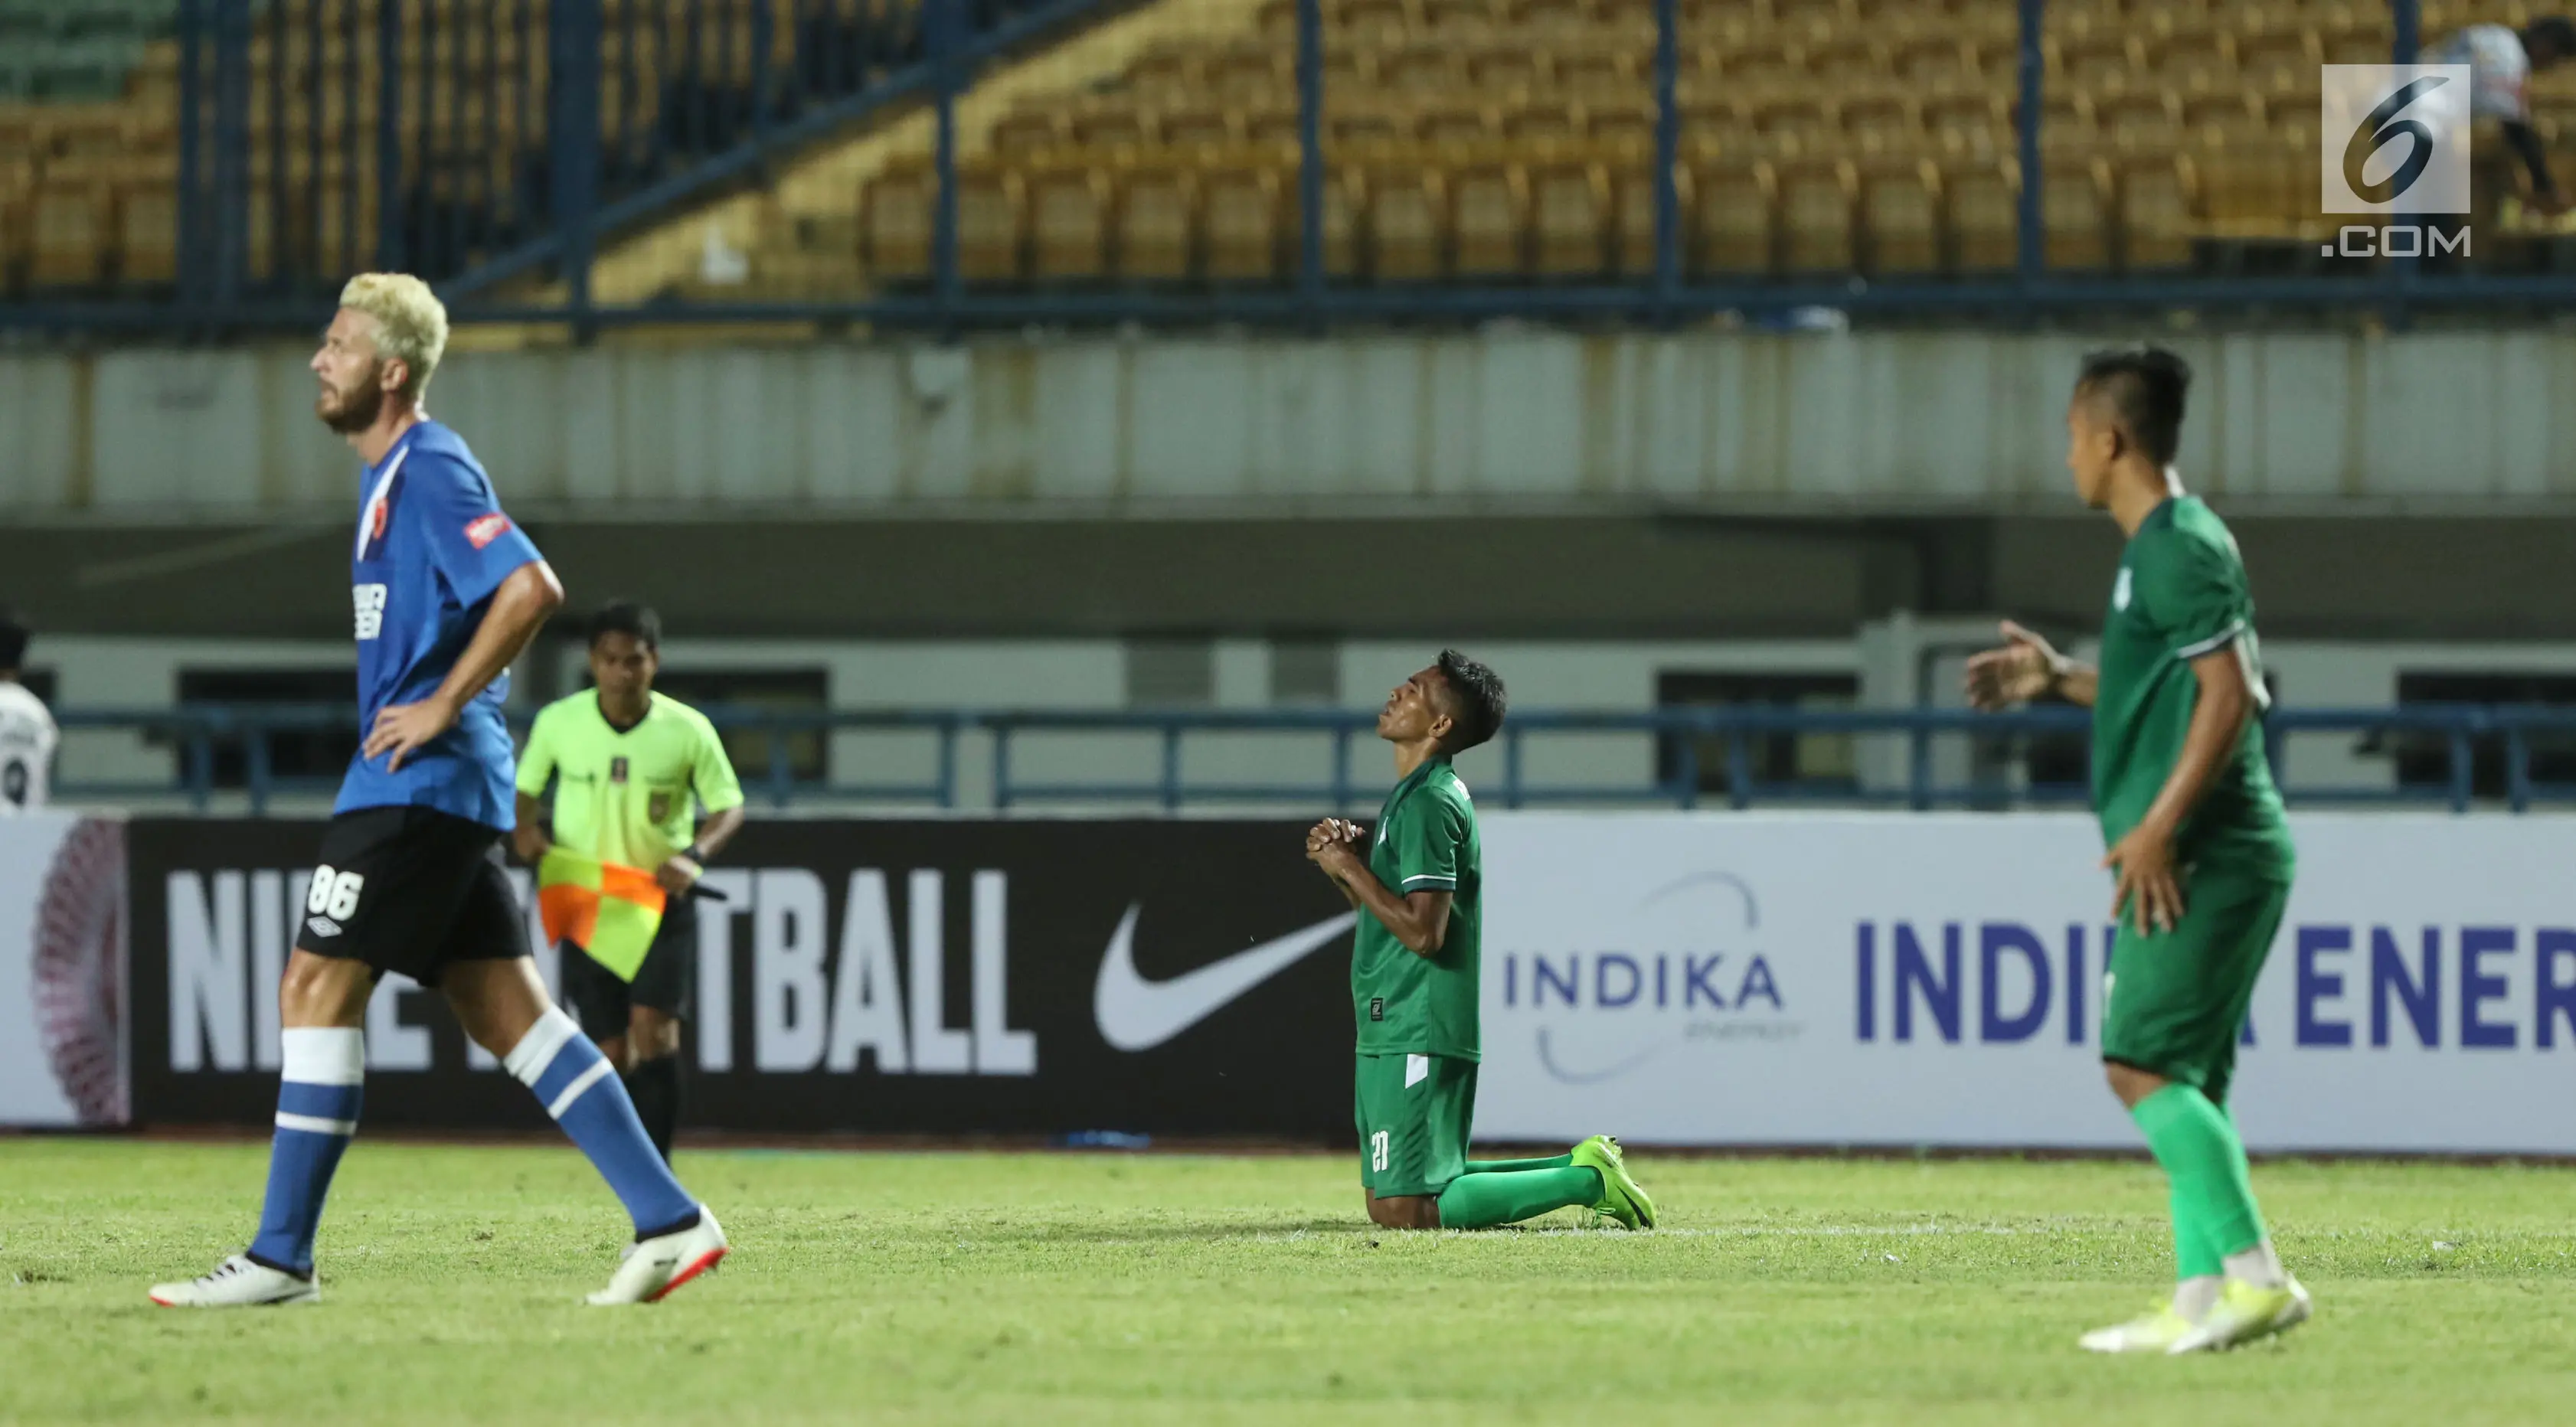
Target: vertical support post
1310 154
1668 143
574 41
943 18
2030 248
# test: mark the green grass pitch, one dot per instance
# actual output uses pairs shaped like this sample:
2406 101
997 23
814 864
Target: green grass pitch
1041 1289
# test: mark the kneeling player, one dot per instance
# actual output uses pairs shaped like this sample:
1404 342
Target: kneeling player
1414 983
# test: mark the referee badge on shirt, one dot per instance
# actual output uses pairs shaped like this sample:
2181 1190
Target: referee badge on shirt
617 770
657 807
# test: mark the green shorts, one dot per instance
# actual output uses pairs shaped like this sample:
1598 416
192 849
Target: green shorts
2174 1002
1413 1113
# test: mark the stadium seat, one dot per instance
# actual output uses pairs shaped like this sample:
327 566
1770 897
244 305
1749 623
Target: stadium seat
1157 221
1069 222
1902 202
1736 211
1491 216
1245 224
1818 201
1570 202
1407 223
70 225
2155 214
992 226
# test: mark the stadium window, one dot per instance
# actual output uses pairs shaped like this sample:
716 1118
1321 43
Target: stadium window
801 691
1171 673
1816 763
1305 671
321 752
2424 759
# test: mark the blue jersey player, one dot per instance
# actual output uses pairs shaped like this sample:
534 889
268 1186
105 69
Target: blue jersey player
446 592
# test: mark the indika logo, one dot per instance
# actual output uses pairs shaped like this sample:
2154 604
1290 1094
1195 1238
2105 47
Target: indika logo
1685 964
2396 142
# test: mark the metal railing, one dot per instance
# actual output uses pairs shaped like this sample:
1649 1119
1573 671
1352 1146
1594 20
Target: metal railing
196 735
535 182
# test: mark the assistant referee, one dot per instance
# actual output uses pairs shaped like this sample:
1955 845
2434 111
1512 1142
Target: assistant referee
630 768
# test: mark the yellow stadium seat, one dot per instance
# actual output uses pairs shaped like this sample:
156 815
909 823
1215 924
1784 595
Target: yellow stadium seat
1461 21
1848 59
1603 70
1373 21
1570 203
1244 224
2155 215
1491 217
69 224
1620 124
1200 127
1157 224
1902 203
2075 216
1984 214
1633 191
1111 125
2280 63
147 229
1407 223
1421 70
1817 199
992 226
1030 131
1069 223
895 223
1736 217
1543 124
1504 72
1457 125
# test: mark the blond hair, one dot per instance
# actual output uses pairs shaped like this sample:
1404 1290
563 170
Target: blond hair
411 323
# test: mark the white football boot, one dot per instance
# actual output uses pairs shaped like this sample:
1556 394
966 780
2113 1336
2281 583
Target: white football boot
659 1264
238 1283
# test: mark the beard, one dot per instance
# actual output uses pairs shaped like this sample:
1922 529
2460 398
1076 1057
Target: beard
354 409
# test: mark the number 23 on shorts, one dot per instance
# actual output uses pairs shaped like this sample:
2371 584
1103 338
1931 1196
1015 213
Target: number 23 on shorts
1378 1152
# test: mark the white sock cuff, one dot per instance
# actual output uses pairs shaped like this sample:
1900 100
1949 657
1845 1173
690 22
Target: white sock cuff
323 1055
536 1050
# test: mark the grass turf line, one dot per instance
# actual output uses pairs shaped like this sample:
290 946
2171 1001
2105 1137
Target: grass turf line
1032 1288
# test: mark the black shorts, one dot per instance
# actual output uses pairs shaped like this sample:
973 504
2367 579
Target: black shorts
411 889
662 983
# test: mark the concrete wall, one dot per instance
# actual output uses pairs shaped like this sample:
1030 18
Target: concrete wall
1494 420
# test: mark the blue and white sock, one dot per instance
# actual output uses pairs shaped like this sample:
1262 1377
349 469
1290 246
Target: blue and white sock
324 1075
581 1090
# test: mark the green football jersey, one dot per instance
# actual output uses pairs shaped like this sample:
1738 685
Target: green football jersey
1425 840
2181 594
627 798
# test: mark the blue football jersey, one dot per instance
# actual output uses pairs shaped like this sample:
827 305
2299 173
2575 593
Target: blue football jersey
432 547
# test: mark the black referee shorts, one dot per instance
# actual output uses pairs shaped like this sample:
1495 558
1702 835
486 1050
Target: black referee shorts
411 889
669 973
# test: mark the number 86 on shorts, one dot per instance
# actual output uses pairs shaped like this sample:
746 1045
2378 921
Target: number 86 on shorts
334 894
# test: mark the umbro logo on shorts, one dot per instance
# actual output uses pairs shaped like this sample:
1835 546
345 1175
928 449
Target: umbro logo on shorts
322 926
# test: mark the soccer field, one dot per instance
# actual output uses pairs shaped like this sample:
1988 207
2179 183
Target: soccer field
1033 1288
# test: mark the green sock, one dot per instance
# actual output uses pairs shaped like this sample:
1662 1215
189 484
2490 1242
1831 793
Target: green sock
2213 1198
1480 1201
1506 1166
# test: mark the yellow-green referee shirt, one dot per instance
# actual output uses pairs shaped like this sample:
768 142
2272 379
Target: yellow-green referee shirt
626 797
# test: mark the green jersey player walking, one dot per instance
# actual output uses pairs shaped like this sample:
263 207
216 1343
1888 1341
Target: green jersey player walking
1418 884
2197 840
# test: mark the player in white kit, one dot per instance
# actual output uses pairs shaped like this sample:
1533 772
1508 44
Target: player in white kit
27 732
2501 62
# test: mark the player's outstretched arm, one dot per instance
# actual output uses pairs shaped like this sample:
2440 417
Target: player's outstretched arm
2023 668
2148 890
519 607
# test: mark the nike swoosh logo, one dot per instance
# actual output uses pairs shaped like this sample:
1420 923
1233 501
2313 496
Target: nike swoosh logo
1137 1014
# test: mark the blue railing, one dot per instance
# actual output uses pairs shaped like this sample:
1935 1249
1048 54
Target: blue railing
525 181
197 735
